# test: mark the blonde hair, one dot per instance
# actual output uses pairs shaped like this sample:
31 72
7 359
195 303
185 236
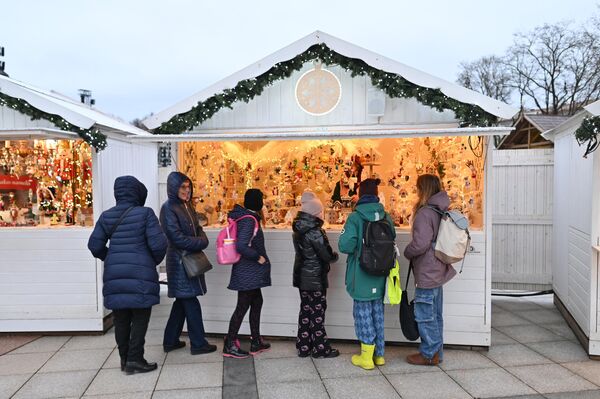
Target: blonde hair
427 186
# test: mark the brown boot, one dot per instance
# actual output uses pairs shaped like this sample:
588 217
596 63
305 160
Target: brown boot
420 360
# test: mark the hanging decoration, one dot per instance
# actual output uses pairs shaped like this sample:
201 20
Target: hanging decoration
333 169
588 134
92 136
395 86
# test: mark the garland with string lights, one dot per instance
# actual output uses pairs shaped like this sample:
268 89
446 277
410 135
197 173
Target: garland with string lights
588 133
392 84
91 136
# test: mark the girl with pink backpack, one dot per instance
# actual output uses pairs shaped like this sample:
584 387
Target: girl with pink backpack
248 275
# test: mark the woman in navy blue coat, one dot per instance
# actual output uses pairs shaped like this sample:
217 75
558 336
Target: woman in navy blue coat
131 287
180 223
249 275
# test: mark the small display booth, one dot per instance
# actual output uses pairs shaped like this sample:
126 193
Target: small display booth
58 162
323 114
576 234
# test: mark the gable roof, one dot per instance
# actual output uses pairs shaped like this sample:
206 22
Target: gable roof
73 112
545 122
346 49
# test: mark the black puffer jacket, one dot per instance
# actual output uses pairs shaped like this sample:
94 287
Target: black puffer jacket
313 253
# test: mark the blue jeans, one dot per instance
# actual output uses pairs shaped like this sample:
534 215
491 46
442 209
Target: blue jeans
185 308
368 324
429 304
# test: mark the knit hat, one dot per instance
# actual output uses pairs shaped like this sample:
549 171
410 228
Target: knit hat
253 199
368 187
311 203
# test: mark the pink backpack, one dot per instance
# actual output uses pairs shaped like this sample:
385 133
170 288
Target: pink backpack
227 254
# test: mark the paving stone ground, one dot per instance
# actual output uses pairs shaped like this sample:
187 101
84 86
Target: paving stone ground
534 354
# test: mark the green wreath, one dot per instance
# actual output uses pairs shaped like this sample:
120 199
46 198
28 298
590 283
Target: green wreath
588 133
92 136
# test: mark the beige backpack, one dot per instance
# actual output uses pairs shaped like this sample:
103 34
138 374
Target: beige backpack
453 238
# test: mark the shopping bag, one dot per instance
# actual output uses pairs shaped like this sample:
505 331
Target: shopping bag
393 290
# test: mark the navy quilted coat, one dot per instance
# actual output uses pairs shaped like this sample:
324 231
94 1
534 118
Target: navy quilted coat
248 274
137 246
183 231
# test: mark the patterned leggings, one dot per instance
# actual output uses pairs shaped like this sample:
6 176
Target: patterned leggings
368 324
246 299
312 338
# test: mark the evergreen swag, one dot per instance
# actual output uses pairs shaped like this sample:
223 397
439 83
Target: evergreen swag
588 133
91 136
393 85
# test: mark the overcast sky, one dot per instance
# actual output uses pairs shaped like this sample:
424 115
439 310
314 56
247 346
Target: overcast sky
141 56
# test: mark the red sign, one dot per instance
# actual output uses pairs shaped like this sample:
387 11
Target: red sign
17 183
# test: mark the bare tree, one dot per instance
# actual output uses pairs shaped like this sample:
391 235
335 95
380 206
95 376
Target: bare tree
555 67
488 75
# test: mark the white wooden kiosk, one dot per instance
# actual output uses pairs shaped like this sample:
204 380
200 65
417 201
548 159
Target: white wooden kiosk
275 116
48 279
576 278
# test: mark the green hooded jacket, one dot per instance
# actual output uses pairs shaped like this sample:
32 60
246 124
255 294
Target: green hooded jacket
360 285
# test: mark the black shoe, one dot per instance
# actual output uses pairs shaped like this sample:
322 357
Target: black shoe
123 361
327 355
141 366
208 348
303 354
258 345
169 348
231 348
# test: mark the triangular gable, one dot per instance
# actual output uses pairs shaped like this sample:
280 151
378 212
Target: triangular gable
469 105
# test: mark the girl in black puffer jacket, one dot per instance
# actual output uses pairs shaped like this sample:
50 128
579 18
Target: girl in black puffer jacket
313 255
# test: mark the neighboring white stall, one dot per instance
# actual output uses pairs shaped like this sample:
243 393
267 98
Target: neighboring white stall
577 230
53 186
300 133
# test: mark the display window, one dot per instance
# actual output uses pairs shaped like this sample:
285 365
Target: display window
333 169
45 183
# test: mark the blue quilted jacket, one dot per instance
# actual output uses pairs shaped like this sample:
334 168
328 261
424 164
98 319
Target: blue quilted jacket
181 226
136 247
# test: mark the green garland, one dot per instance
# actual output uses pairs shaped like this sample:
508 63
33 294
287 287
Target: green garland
395 86
92 136
588 133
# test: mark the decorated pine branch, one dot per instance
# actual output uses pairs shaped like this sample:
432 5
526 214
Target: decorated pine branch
92 136
588 134
395 86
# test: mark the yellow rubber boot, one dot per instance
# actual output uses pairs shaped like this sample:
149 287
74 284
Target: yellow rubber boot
378 360
365 359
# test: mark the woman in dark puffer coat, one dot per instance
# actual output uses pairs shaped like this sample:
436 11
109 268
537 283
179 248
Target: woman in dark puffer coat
313 255
180 223
249 275
130 279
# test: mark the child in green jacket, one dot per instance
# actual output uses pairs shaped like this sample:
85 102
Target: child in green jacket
366 290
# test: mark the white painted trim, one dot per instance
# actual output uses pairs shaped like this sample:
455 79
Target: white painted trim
38 133
593 108
325 134
52 325
344 48
328 128
487 228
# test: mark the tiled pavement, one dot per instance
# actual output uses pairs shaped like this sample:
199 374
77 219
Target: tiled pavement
533 355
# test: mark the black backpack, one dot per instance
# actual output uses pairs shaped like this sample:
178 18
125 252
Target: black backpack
378 248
